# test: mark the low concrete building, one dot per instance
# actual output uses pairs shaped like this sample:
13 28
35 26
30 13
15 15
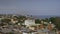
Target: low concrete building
29 22
14 21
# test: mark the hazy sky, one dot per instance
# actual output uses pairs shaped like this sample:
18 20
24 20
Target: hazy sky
32 7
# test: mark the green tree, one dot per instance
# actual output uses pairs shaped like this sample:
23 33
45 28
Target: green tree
6 20
22 17
37 21
56 21
46 20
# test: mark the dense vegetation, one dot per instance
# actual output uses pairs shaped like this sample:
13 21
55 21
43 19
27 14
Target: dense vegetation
54 20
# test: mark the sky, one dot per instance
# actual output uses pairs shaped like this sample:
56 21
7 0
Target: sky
30 7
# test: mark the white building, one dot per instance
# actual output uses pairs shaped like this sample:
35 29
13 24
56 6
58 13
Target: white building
29 22
14 21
